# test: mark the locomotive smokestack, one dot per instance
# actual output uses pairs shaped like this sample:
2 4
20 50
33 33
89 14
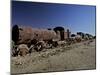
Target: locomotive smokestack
68 33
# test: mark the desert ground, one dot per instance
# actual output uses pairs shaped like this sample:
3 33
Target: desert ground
79 56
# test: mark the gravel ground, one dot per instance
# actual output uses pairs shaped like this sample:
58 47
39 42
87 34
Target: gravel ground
74 57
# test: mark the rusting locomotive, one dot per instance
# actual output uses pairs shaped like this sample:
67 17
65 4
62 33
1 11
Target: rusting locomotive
38 38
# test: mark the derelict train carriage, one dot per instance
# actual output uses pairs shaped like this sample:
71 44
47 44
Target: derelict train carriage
27 39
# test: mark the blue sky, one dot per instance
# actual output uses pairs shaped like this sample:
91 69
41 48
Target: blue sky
49 15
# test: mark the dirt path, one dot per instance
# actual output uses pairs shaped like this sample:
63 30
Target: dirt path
78 56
